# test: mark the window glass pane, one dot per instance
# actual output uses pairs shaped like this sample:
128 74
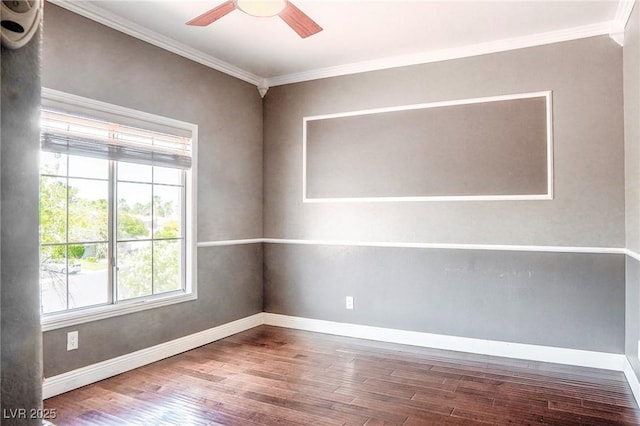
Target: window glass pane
167 175
88 167
53 163
88 210
53 279
53 210
167 211
134 211
134 269
167 268
88 275
134 172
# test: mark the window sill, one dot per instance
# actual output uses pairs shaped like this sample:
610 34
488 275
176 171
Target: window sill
81 316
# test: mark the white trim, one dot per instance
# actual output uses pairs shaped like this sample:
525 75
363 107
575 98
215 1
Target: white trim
420 245
582 358
84 315
575 33
230 242
74 379
632 379
128 27
619 23
118 23
623 13
93 104
452 246
467 101
538 197
633 254
511 197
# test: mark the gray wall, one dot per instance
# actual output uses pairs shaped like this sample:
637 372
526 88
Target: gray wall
578 299
556 299
588 210
631 59
87 59
500 150
21 338
566 300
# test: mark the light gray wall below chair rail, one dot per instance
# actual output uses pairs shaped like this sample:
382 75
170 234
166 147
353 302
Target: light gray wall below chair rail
569 300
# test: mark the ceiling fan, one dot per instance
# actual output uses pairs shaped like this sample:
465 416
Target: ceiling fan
294 17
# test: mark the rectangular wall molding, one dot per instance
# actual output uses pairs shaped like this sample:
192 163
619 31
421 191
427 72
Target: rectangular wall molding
426 162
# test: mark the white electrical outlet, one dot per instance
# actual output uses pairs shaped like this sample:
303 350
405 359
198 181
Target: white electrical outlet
72 340
349 302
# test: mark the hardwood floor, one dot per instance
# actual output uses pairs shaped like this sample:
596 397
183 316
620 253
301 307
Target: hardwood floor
270 375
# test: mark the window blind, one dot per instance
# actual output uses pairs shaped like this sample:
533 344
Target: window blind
71 134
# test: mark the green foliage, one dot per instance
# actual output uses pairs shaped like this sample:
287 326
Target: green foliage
143 267
162 208
130 226
87 218
135 272
169 229
166 266
58 252
76 251
53 206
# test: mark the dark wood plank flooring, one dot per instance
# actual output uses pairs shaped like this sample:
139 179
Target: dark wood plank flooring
275 376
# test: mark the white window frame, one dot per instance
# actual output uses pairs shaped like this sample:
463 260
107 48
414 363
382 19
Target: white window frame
54 321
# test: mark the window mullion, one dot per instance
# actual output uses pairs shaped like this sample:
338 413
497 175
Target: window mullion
66 237
160 143
112 231
183 230
153 281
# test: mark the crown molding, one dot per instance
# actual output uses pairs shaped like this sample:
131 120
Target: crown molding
619 23
447 54
613 28
118 23
623 13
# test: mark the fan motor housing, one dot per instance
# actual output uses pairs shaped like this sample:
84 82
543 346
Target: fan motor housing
19 21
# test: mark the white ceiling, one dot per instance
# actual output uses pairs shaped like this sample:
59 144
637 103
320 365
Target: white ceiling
358 35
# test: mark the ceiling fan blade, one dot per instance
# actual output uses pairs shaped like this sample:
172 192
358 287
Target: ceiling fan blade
213 14
299 22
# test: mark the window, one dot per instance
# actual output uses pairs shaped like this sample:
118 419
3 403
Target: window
116 210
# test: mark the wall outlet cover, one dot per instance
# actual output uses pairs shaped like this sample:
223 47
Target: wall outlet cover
72 340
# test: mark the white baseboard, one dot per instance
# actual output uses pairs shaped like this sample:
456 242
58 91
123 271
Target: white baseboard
86 375
582 358
74 379
632 379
